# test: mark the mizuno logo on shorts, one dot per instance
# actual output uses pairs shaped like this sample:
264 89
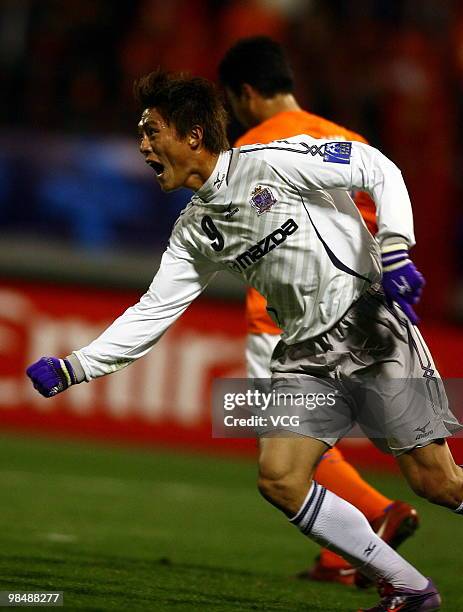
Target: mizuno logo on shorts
423 431
264 246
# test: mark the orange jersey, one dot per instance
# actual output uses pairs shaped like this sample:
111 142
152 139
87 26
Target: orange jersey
285 125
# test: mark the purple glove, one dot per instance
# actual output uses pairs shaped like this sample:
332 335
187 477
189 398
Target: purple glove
402 283
51 375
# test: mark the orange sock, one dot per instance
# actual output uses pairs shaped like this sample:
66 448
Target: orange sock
331 559
339 476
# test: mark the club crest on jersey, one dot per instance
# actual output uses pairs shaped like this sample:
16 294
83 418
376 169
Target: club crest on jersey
337 152
262 199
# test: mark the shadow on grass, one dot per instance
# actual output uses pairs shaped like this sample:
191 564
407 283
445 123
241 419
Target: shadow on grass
161 584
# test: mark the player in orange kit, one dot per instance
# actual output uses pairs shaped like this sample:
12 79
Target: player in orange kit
259 86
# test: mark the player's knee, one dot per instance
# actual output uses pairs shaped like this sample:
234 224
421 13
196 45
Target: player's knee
443 495
271 486
278 491
442 489
280 488
419 488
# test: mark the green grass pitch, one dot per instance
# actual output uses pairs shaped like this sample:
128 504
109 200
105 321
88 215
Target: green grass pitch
124 529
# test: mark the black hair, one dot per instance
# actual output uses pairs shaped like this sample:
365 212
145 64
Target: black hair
185 101
259 61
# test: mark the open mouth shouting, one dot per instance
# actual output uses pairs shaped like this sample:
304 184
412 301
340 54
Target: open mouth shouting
157 167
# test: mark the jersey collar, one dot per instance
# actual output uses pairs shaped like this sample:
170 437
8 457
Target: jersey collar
218 179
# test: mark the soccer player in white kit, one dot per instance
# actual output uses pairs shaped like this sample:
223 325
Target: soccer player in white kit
279 217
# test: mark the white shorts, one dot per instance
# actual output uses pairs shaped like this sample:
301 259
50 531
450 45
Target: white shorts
381 373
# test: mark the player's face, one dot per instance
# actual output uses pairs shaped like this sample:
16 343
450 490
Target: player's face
241 108
163 150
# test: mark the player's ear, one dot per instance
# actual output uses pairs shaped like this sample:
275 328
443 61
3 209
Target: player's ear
247 91
195 139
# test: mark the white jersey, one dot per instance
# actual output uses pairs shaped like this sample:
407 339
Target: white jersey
280 217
